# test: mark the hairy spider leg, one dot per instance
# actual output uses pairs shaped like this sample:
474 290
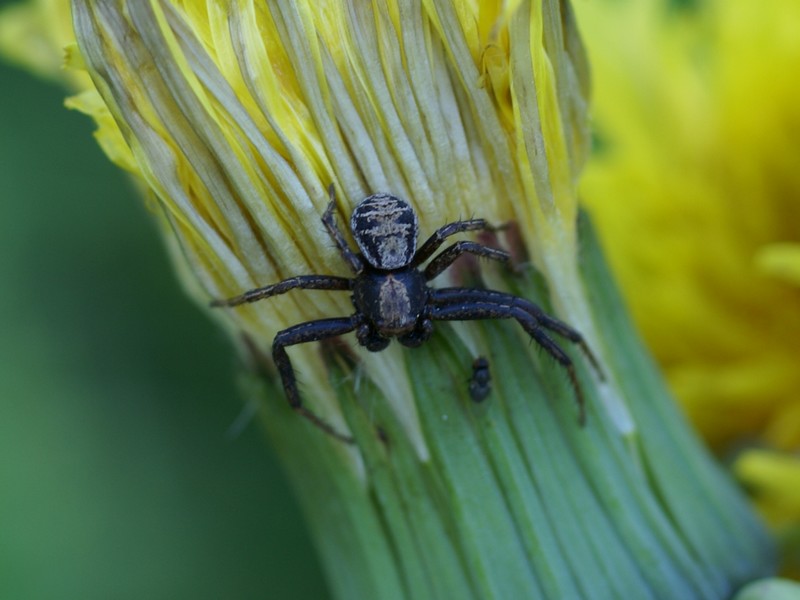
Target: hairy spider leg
450 254
306 282
433 243
504 299
474 310
313 331
329 220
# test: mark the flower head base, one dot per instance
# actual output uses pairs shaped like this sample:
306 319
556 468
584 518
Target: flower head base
240 118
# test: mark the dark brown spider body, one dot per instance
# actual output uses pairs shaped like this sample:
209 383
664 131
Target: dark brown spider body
392 298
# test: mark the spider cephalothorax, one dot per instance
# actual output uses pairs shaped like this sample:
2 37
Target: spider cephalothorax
391 295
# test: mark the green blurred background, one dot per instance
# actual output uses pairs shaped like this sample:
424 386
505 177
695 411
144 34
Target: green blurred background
117 476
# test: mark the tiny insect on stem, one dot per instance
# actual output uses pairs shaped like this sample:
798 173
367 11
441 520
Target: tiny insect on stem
480 384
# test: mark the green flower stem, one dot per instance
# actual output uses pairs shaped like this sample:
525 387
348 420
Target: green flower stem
516 500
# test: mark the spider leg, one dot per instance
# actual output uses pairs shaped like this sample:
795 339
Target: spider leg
313 331
306 282
445 295
432 244
475 310
329 220
450 254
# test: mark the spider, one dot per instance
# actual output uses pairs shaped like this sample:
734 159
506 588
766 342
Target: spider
392 297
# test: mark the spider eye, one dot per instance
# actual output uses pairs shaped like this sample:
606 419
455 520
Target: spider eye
385 229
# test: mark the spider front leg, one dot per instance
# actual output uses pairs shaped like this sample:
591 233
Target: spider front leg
313 331
447 295
329 220
433 243
448 256
472 311
306 282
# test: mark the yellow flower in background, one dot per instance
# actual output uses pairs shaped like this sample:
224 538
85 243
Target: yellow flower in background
695 186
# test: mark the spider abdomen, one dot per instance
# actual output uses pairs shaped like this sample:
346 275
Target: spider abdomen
392 302
385 229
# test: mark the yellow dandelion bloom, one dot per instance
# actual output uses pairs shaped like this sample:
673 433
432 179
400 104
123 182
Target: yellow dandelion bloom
237 115
696 188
